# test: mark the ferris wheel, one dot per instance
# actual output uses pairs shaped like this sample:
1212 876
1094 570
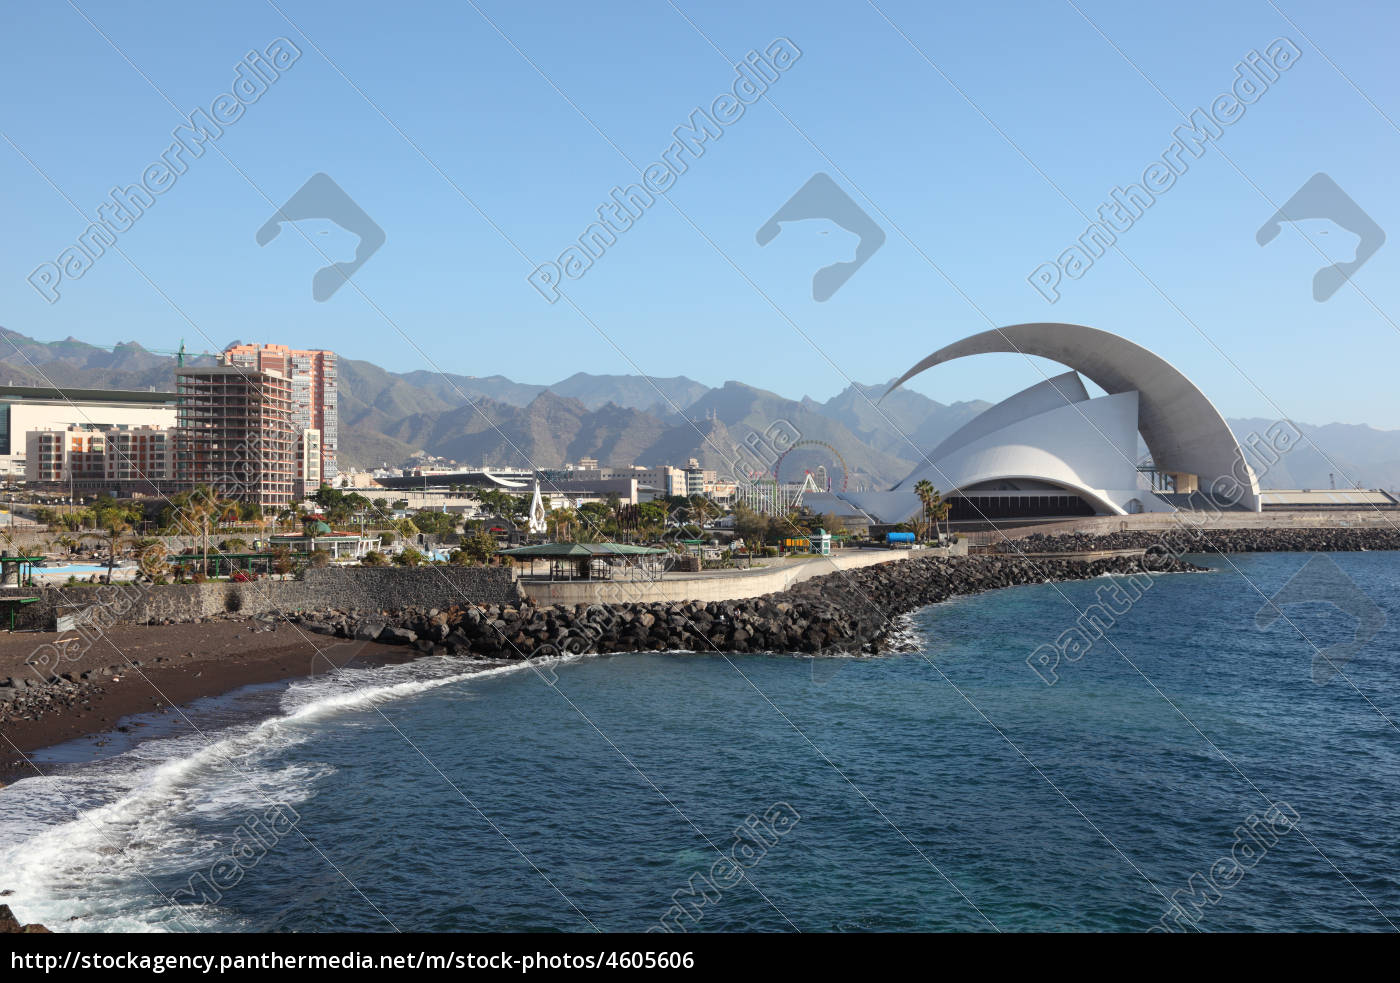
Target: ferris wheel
837 459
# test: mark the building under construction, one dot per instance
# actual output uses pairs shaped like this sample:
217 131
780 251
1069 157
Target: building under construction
234 433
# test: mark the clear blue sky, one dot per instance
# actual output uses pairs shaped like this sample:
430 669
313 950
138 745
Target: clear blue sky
688 290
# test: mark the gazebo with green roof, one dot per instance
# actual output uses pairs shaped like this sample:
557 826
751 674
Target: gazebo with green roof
590 561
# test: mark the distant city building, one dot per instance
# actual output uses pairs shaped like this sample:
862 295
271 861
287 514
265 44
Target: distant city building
663 481
308 463
119 461
698 480
235 433
75 454
315 393
140 455
26 408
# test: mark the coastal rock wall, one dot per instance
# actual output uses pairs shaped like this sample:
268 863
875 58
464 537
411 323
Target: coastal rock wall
369 588
1205 537
850 611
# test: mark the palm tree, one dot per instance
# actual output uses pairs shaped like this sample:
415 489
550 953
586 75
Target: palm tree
941 510
930 498
191 513
310 526
114 521
699 512
560 521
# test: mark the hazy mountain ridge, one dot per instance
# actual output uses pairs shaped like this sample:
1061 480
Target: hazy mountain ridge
622 419
1353 453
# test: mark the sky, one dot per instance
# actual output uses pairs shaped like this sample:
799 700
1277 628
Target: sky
972 143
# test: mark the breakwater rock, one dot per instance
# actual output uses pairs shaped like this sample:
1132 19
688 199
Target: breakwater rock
10 925
848 611
1205 538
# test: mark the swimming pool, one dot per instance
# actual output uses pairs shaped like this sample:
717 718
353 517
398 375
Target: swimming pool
77 569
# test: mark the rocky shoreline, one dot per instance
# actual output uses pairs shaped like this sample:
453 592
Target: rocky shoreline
10 925
850 611
1205 538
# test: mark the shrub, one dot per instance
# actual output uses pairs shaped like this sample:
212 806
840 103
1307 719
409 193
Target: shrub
282 560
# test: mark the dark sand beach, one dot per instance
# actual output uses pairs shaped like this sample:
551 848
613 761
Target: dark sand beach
178 664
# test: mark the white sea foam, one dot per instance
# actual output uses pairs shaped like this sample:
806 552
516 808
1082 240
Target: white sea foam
79 849
904 635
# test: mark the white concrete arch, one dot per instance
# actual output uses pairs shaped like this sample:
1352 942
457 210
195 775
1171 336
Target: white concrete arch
1182 428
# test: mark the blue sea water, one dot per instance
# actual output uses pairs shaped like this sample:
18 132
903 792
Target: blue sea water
945 789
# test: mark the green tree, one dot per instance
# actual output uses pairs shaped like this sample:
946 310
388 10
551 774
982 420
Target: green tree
410 557
751 526
192 512
435 523
559 523
282 560
596 522
651 519
933 507
113 519
479 547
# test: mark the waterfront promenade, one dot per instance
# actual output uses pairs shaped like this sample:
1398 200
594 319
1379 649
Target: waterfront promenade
777 574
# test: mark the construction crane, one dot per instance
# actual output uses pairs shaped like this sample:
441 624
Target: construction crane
180 353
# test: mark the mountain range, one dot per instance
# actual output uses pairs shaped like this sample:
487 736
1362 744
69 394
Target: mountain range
386 418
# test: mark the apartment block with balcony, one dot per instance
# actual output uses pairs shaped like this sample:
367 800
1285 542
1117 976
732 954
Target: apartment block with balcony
121 461
140 454
315 392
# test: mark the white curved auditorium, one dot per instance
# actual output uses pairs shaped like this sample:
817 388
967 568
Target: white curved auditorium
1052 449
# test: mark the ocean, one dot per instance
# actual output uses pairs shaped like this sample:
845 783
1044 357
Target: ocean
1187 753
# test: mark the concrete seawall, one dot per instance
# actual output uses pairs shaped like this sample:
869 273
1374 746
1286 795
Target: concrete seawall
716 586
847 611
367 588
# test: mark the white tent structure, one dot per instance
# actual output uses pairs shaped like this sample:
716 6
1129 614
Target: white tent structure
538 523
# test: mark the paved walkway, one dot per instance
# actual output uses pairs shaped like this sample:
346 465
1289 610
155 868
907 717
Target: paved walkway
708 585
